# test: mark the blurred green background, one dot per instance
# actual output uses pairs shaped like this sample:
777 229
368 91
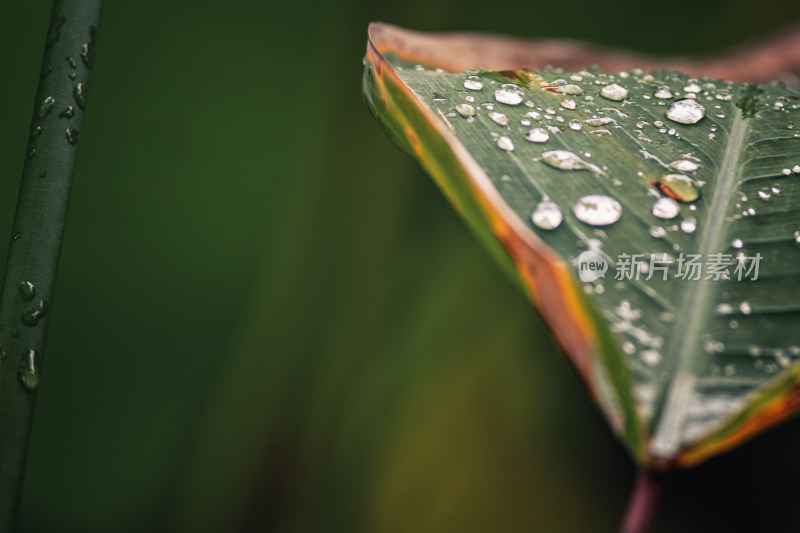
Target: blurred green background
268 318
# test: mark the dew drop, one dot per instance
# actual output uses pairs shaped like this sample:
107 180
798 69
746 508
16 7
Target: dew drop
737 243
663 92
764 193
650 357
614 92
657 232
547 215
27 290
689 225
745 308
46 106
32 316
72 136
28 370
575 125
87 50
797 236
601 121
570 89
509 94
79 93
678 187
499 118
465 110
538 135
68 112
504 143
686 112
565 160
693 87
569 104
666 208
597 210
684 165
473 83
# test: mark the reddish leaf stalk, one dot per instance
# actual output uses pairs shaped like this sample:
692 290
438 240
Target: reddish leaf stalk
643 502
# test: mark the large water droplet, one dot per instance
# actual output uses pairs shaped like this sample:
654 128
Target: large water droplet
499 118
504 143
46 106
79 93
547 215
68 112
72 136
614 92
465 110
565 160
692 87
666 208
28 370
27 290
678 187
684 165
31 317
600 121
473 83
650 357
538 135
509 94
597 210
663 92
87 50
570 89
686 112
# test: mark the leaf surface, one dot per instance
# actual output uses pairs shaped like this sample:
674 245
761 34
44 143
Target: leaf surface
682 368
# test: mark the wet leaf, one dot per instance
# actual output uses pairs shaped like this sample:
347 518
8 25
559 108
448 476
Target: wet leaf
603 195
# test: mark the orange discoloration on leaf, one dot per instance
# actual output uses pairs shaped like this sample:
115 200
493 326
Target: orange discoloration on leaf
769 414
544 275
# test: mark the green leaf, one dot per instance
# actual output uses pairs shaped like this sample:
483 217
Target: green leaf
647 170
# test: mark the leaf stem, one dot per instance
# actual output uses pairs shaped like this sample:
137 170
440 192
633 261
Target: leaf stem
643 502
35 246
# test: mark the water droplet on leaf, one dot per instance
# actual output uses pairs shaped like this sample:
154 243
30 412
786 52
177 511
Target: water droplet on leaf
597 210
614 92
509 94
565 160
28 370
686 112
547 215
537 135
27 290
504 143
499 118
678 187
666 208
473 83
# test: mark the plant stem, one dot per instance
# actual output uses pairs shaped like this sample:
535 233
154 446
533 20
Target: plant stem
642 503
33 254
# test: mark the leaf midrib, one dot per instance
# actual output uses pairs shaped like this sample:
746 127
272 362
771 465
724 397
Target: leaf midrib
696 301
